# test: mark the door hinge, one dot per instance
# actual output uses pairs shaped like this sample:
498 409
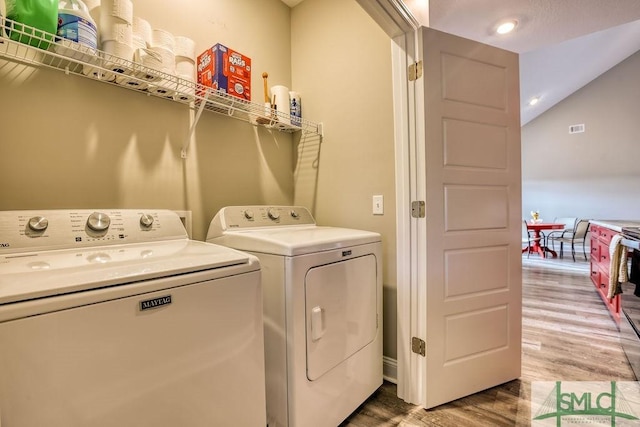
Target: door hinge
415 71
418 346
417 209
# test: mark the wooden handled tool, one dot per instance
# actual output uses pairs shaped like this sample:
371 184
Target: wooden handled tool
267 102
266 88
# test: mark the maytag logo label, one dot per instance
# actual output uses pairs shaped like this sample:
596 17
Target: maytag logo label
581 403
155 302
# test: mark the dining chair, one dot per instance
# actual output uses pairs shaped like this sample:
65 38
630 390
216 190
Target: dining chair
527 238
578 236
569 227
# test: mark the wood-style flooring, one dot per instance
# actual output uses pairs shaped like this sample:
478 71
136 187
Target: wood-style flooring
567 335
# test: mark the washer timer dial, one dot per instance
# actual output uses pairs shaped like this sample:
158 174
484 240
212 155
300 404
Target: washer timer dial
98 221
146 220
38 223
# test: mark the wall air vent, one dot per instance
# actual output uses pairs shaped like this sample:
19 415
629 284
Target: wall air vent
576 128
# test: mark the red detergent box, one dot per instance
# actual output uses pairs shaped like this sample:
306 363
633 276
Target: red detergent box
226 70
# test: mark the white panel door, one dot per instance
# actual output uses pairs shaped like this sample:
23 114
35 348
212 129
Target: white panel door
471 262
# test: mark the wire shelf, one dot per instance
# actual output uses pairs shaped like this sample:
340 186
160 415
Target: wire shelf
31 46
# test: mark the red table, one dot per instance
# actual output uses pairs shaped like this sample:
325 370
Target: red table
537 228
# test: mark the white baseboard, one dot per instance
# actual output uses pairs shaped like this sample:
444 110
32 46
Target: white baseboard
390 369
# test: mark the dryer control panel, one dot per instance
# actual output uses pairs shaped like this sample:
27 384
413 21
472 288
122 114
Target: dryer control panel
238 217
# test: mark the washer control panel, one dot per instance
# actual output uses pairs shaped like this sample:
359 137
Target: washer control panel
24 231
237 217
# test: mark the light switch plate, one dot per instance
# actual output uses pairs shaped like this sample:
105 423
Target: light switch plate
378 205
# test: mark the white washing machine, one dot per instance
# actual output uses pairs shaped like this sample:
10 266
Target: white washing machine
322 290
116 318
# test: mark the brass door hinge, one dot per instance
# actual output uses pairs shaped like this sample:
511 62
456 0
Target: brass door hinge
418 346
415 71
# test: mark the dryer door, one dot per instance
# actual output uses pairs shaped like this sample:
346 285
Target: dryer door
341 315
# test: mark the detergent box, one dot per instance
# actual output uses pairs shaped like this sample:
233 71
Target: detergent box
226 70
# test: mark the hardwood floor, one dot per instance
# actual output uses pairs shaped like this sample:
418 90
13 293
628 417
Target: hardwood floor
567 334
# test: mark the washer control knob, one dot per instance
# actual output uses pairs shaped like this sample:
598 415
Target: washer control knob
294 214
38 223
273 214
98 221
146 220
248 214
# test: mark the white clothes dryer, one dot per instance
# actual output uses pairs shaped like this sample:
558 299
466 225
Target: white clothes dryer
322 289
116 318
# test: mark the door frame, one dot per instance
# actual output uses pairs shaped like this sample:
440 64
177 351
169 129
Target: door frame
409 368
398 21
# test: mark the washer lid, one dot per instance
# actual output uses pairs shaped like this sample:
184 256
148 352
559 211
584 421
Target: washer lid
295 240
30 275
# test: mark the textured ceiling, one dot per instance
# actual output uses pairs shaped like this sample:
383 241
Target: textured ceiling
563 44
541 23
556 71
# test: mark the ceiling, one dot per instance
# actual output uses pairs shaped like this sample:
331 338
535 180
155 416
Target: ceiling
563 44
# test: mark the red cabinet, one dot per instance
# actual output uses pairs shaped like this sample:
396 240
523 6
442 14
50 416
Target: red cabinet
600 239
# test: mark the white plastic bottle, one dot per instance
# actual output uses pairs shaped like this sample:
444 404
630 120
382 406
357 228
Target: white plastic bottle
76 24
296 108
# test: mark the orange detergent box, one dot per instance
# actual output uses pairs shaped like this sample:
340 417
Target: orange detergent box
226 70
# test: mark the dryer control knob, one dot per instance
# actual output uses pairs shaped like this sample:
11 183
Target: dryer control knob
98 221
294 214
273 214
248 214
38 223
146 220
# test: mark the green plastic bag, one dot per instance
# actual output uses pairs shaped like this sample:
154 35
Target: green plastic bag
42 15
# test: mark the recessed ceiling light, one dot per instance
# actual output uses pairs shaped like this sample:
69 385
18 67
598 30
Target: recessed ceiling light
506 26
534 100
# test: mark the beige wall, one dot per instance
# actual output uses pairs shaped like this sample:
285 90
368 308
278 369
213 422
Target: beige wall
341 63
595 174
69 142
